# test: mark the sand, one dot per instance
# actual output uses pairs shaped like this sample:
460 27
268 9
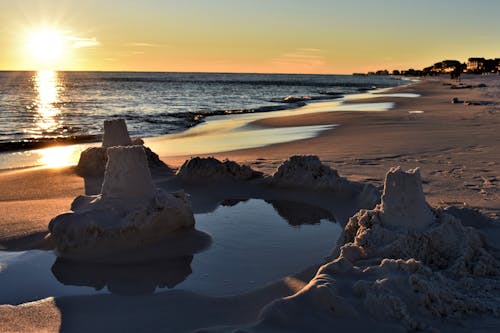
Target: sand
29 199
456 147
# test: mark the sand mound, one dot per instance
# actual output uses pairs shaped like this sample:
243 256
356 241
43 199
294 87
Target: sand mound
93 160
129 212
401 266
309 172
208 169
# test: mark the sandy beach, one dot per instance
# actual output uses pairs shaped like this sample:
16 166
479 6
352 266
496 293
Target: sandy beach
456 146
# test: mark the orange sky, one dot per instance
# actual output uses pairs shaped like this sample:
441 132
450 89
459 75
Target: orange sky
283 36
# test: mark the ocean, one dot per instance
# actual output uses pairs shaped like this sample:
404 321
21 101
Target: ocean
39 108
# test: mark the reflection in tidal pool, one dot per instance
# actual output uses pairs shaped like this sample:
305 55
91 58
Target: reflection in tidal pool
254 243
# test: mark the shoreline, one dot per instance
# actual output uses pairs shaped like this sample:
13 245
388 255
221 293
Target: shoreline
192 113
453 144
219 122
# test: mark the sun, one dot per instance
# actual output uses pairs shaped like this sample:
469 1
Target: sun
46 46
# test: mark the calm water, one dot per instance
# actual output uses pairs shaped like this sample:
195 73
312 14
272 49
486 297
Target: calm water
44 106
254 243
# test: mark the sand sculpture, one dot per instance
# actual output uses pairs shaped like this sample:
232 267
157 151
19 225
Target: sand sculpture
401 266
130 210
298 171
115 134
308 172
403 200
200 169
93 160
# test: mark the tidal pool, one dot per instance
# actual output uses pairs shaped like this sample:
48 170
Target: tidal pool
253 243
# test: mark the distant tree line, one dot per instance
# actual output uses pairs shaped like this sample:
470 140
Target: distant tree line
452 67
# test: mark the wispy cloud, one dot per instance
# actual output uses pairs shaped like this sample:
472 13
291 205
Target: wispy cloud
302 59
141 44
79 42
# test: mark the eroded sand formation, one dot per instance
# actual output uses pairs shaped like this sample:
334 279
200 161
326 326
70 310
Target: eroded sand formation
401 266
129 212
308 172
200 169
93 160
298 173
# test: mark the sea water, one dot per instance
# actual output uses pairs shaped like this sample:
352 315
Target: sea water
43 107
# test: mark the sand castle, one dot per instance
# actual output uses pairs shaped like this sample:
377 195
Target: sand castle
115 134
93 160
404 202
129 212
400 266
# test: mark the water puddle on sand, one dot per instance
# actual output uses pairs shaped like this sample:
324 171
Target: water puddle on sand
254 243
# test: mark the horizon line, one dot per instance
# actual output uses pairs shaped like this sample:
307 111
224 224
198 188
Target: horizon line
176 72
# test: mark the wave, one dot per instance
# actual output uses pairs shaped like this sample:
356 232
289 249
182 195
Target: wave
169 122
301 83
37 143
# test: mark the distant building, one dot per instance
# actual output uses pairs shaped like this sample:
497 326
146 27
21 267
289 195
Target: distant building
476 65
382 72
453 67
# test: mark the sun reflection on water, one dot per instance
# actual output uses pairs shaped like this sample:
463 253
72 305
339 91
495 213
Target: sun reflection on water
48 88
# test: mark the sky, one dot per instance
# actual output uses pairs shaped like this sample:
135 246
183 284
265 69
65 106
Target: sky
260 36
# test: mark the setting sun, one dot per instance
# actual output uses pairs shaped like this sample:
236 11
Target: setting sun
46 46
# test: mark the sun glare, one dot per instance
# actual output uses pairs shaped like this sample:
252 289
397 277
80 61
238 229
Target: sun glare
46 46
56 157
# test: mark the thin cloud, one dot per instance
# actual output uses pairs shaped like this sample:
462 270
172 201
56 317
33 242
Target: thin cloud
310 50
140 44
302 59
79 42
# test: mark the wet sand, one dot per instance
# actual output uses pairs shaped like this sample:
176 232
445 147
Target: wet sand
455 145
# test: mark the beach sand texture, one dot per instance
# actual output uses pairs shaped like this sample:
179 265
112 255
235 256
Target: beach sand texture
456 146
